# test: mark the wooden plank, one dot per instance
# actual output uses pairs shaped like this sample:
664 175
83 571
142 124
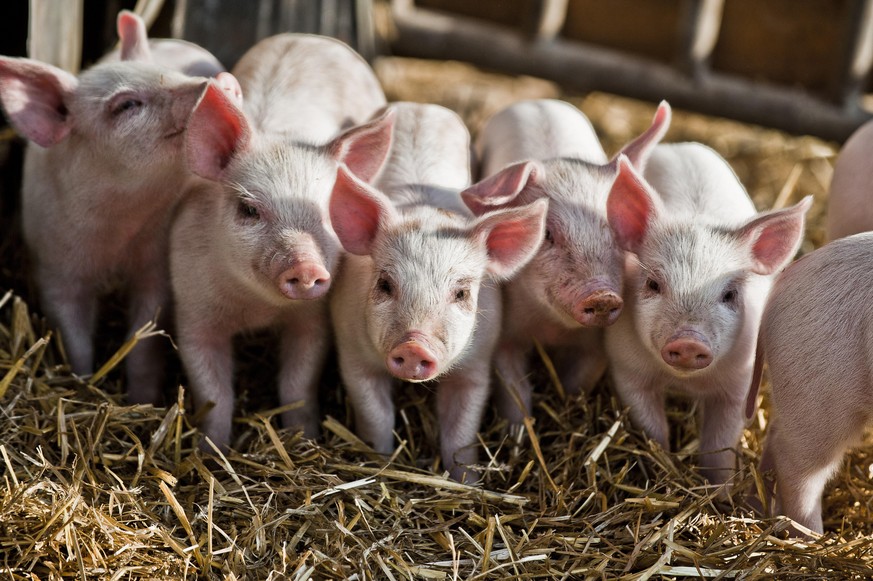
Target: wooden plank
586 67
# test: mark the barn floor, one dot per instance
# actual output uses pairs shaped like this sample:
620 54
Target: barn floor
93 488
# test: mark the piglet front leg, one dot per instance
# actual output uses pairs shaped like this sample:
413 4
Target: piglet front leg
304 345
208 357
721 426
461 399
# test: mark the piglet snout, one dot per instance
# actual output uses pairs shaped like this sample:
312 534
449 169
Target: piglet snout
599 309
411 361
687 351
305 280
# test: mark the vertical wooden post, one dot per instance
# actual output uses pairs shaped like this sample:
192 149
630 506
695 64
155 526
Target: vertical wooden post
857 55
549 18
55 34
699 28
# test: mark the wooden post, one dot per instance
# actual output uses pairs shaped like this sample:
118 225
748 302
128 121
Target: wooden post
699 28
55 35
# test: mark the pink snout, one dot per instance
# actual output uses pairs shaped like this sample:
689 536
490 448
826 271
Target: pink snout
411 361
599 309
687 351
305 280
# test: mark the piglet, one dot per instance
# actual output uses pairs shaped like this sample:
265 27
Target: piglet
417 299
702 265
572 290
850 200
252 246
817 338
101 177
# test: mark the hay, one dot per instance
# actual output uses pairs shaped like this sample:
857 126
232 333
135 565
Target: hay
96 489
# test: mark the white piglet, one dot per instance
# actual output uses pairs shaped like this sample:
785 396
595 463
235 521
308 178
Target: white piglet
101 178
817 337
547 149
417 298
252 247
702 265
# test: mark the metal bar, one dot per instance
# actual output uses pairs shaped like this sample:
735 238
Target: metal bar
427 34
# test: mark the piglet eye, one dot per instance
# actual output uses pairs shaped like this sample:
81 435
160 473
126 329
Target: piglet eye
549 237
653 285
383 285
462 295
126 105
248 211
729 296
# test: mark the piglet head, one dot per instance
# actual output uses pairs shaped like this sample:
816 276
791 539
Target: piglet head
697 287
427 268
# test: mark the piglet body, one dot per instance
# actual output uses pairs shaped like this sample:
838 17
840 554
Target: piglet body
417 299
696 284
252 246
850 199
101 179
817 338
572 290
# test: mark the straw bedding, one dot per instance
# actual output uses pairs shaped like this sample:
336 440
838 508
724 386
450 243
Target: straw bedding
94 488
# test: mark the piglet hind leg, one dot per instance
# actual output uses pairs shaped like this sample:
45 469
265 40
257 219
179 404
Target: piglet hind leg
805 459
303 350
461 399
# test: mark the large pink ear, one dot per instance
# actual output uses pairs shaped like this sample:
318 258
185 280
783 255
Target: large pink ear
35 97
133 36
639 150
357 211
217 131
504 188
512 236
631 207
365 148
773 238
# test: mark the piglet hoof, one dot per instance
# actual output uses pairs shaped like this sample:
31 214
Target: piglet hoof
599 309
411 361
304 281
687 352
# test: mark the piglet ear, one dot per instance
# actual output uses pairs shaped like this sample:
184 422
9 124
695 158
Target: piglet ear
35 97
357 211
631 207
639 150
217 131
133 36
773 238
512 236
504 188
228 83
365 148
